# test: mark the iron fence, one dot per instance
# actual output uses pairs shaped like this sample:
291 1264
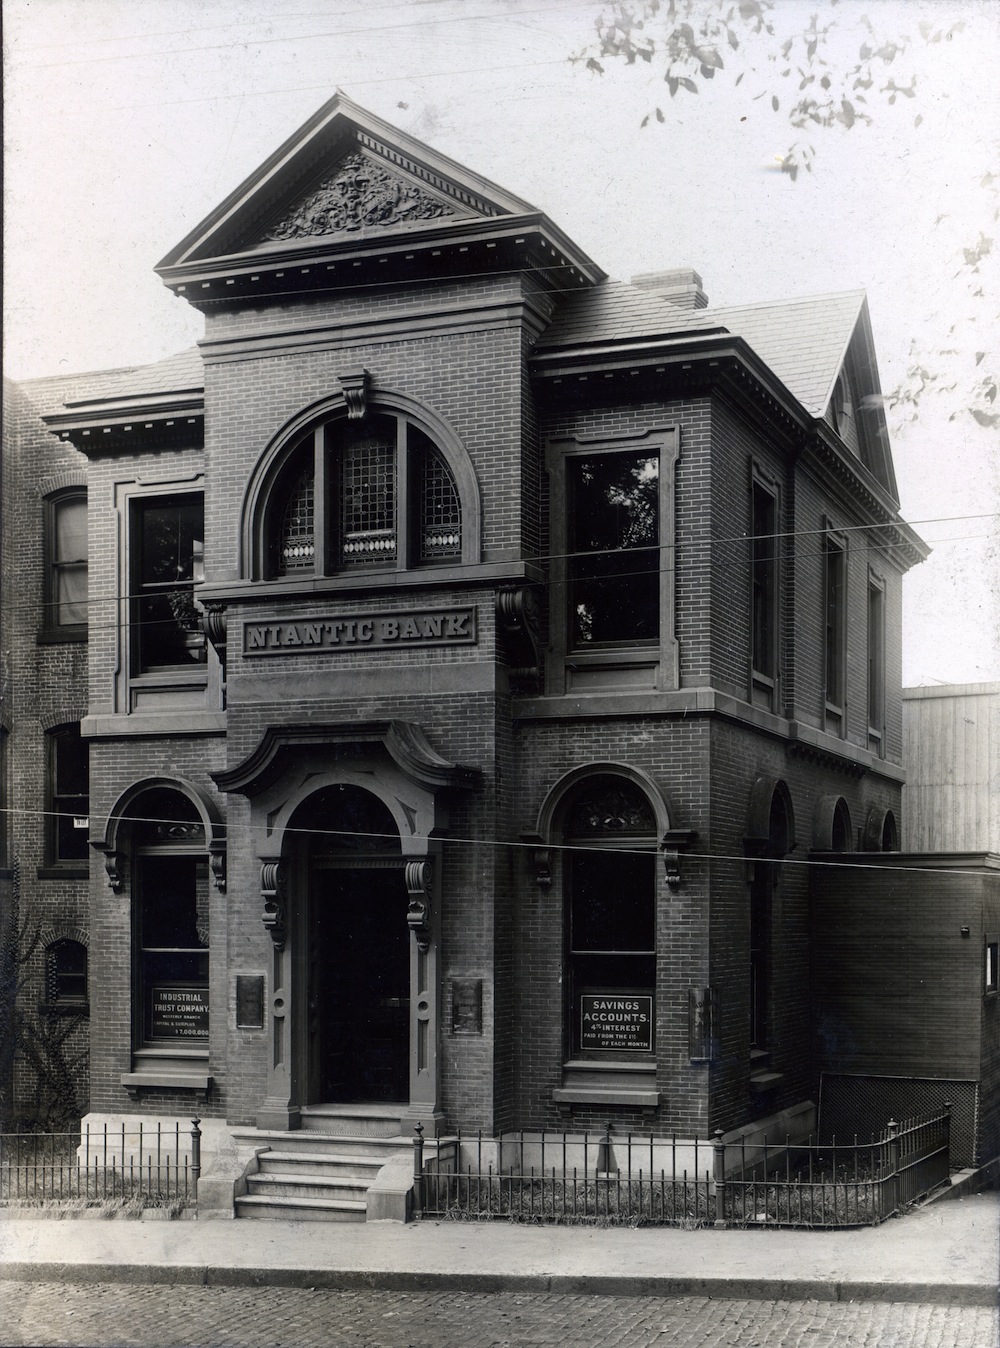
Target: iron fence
158 1164
610 1179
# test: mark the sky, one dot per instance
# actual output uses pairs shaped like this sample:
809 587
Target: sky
127 121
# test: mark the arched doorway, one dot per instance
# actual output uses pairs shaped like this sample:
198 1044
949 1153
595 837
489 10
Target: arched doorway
357 952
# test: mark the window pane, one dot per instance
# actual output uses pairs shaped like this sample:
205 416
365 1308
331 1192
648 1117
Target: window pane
764 565
613 905
170 563
297 543
367 481
66 972
71 530
68 795
173 899
614 548
439 517
71 595
834 622
68 582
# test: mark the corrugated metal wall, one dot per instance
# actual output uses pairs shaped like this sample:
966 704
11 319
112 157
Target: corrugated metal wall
951 749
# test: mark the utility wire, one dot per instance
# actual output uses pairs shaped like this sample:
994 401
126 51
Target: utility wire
375 574
740 858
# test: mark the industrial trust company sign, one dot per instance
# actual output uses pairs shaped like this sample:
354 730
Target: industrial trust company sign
372 631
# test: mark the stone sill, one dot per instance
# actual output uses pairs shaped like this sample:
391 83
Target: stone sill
606 1095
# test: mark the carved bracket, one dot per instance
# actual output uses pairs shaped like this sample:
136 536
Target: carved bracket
214 622
112 864
517 621
354 383
541 859
272 892
217 865
418 913
670 844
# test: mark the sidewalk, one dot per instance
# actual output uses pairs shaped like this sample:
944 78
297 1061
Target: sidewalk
947 1252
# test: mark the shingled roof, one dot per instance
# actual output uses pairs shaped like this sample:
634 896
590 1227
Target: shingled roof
803 341
182 372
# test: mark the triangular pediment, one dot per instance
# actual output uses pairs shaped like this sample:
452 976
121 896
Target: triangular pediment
345 174
358 195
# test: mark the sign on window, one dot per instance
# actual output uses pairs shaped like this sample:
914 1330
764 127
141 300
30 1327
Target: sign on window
623 1024
179 1013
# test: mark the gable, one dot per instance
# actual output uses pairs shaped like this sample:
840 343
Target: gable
348 185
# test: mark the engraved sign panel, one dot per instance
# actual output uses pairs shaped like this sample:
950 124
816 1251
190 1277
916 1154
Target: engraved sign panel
361 631
467 1006
250 1001
620 1023
179 1012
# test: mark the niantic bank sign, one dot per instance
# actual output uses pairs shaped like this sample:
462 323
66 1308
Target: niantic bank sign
392 631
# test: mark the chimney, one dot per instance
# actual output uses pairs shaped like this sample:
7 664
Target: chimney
681 287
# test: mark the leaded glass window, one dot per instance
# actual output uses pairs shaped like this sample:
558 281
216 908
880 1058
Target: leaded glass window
375 492
367 488
297 544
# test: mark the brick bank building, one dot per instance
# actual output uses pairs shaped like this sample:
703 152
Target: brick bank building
477 647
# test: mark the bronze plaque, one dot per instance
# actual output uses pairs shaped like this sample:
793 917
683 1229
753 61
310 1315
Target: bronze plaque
250 1001
467 1006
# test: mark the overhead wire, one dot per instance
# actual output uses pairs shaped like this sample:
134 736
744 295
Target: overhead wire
375 575
648 849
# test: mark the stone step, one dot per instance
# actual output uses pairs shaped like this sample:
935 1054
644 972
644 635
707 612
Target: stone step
353 1120
276 1207
289 1185
312 1142
321 1163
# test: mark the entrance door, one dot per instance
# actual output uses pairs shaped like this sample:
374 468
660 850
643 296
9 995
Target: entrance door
359 960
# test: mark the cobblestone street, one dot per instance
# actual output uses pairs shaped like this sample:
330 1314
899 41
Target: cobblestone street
106 1314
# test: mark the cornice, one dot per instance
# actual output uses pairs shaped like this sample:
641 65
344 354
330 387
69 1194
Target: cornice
102 426
727 363
336 263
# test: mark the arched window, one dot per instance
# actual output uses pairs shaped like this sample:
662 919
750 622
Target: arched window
170 909
890 833
840 840
369 493
66 974
609 830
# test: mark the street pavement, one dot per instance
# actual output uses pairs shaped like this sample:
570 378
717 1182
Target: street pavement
928 1279
153 1316
946 1252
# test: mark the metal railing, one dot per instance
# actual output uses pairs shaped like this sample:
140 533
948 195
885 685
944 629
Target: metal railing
158 1164
610 1179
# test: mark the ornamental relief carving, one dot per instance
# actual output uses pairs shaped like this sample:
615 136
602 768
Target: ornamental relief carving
361 194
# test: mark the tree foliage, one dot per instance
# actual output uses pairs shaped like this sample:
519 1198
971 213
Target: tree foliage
792 62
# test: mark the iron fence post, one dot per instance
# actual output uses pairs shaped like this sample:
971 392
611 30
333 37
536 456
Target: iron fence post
719 1175
195 1155
892 1141
418 1168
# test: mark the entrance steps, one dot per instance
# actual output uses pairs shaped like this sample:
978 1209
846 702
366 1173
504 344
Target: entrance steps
322 1171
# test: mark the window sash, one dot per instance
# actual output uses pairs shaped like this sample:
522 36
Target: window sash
168 550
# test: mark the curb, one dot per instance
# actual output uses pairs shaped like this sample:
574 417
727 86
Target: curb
409 1280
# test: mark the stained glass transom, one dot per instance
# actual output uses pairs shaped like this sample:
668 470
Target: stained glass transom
609 805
